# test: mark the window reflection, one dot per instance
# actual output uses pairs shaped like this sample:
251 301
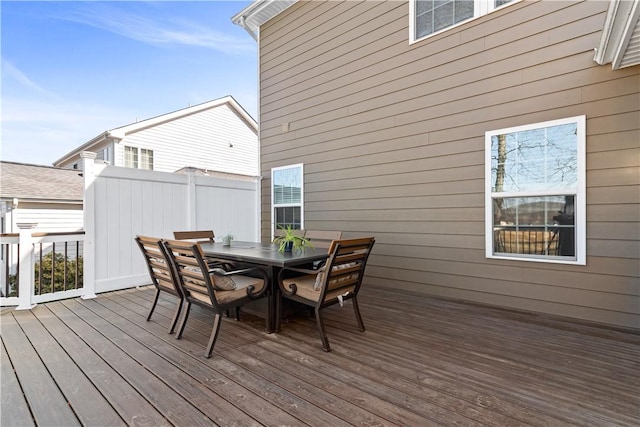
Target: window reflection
287 186
535 160
535 225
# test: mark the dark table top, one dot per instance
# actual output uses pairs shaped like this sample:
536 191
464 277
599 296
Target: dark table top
263 253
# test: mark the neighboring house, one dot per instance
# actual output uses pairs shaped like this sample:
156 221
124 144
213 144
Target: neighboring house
491 156
218 135
47 196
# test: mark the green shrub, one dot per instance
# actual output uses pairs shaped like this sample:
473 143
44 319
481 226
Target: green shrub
44 284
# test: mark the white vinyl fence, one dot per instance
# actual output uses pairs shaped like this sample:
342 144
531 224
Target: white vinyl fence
120 203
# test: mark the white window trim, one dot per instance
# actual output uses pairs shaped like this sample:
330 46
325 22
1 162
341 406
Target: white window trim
480 8
139 154
580 194
301 204
124 156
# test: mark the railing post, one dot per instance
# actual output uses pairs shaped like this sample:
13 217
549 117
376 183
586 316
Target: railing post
89 218
25 278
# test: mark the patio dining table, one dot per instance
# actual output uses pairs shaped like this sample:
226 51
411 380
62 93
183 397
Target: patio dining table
265 255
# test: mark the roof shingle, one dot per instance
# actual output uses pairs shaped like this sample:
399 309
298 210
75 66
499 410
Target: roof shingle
26 181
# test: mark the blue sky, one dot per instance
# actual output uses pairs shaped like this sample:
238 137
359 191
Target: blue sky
71 70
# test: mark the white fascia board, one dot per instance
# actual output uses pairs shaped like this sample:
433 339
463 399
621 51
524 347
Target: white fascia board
620 22
84 147
257 13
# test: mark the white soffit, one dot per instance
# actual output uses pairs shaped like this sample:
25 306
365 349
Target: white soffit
620 42
257 13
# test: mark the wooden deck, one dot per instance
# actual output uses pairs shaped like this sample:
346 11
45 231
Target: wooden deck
422 361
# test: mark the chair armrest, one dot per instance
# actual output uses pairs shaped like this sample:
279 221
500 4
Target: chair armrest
293 288
250 289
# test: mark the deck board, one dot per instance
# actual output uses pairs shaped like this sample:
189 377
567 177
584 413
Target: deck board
89 405
126 401
15 410
48 405
220 374
422 361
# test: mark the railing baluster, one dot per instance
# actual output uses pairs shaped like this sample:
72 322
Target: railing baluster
66 262
17 287
77 262
53 267
40 273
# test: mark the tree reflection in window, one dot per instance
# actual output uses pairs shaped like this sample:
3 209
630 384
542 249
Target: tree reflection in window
534 178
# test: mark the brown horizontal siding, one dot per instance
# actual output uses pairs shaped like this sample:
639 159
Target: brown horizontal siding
467 61
392 139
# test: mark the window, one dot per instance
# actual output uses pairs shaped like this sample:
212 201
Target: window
132 154
287 197
146 159
535 197
131 157
432 16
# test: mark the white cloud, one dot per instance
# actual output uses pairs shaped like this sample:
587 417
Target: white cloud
11 73
146 30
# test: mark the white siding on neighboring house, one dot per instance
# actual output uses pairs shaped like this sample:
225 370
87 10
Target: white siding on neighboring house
48 220
213 136
214 139
49 197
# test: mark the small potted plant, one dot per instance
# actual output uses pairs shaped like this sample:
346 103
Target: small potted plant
226 239
290 239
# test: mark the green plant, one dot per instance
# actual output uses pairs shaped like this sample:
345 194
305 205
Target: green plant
292 237
62 280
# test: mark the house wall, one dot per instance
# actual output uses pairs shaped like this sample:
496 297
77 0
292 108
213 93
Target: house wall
200 140
49 217
392 140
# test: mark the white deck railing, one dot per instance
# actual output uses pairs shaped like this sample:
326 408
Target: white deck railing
50 268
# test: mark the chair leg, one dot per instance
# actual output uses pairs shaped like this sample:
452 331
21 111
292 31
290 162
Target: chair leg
323 333
184 320
153 306
238 314
214 335
356 310
176 316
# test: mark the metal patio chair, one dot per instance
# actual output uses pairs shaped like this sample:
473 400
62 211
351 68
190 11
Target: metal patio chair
337 281
161 273
216 290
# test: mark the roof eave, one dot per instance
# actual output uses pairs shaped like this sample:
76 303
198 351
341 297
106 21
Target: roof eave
621 31
257 13
84 147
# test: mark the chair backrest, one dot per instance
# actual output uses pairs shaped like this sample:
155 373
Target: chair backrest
161 271
191 270
344 270
194 235
322 238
